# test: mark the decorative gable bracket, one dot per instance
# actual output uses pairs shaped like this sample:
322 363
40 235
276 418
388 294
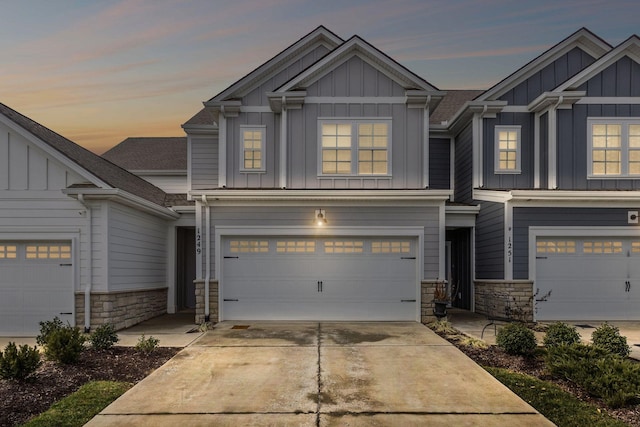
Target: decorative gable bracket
291 100
423 98
226 108
559 100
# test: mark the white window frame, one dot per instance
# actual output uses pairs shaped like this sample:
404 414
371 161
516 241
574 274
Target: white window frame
497 150
354 122
624 123
256 128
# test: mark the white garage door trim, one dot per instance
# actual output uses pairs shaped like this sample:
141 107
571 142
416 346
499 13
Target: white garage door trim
567 232
47 237
222 232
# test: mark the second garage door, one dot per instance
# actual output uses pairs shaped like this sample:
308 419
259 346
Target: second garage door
588 278
319 279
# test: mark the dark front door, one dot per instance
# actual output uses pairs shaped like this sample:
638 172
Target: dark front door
460 280
186 268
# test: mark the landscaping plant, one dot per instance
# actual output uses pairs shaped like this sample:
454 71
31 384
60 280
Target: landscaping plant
64 345
18 363
608 337
47 328
560 333
104 337
147 345
516 338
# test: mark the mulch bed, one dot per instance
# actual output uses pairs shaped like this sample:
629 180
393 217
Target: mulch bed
20 400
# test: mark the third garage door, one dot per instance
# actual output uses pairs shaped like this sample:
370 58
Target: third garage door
319 279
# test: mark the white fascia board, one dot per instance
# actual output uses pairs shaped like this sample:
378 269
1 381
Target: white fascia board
59 156
487 109
368 196
124 198
560 197
497 196
200 129
555 99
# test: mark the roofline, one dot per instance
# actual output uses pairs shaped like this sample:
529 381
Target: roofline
122 197
366 196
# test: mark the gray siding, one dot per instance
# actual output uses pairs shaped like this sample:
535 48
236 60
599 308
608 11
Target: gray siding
549 77
523 180
619 79
204 162
523 218
463 174
439 163
355 216
490 241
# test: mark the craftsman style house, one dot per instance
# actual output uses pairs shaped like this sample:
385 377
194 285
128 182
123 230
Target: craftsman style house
332 183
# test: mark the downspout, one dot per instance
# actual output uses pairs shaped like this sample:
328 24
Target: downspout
207 245
87 289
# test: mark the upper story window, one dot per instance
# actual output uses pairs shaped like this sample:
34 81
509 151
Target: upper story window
614 147
355 147
252 140
507 149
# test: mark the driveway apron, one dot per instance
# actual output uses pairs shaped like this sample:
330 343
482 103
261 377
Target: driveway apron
319 374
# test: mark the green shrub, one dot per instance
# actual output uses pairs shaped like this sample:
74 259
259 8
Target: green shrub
47 328
147 345
608 337
602 374
64 345
104 337
516 338
561 334
18 363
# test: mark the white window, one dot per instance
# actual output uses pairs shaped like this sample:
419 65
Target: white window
355 147
252 140
45 251
614 147
507 149
554 246
248 246
8 251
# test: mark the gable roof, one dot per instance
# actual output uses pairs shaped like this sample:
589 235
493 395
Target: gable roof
451 104
93 167
583 38
629 47
150 153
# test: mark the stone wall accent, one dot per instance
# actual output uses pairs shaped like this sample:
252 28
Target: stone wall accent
426 297
213 301
505 298
122 309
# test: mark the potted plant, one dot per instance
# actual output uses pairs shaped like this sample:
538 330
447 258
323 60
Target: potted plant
440 300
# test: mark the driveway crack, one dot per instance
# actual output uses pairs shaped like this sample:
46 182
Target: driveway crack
319 395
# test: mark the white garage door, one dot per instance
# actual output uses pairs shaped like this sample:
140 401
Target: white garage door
588 278
36 284
319 279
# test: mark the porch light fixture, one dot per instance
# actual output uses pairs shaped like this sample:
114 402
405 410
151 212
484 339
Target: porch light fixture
321 218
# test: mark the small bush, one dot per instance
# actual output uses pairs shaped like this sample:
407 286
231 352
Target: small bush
608 337
47 328
147 345
19 363
64 345
104 337
516 338
602 374
561 334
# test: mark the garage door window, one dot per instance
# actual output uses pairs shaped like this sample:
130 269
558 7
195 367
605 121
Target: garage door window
343 246
556 247
48 252
247 246
602 247
635 247
389 247
296 246
8 252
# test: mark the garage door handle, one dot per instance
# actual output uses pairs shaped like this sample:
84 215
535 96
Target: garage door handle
407 257
319 285
230 299
407 300
231 257
67 313
627 286
66 265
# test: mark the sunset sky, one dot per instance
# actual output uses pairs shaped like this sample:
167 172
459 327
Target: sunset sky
100 71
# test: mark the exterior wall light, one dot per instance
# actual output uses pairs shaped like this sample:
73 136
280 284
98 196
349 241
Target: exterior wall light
321 218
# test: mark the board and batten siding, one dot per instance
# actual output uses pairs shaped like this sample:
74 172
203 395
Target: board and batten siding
204 162
439 163
490 241
137 249
523 218
621 78
549 77
463 163
338 216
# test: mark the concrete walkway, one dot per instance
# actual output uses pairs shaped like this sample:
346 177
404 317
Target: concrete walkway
319 374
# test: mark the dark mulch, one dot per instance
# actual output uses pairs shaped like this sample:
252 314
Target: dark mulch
534 366
19 401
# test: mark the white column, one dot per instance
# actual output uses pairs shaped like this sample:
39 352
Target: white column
508 241
222 151
425 145
283 146
553 153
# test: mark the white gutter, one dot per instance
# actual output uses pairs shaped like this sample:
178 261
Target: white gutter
87 289
207 240
125 198
325 195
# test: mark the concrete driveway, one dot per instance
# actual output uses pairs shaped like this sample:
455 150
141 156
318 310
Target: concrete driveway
319 374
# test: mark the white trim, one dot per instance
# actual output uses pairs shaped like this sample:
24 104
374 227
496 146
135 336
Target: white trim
610 100
255 109
536 150
558 198
516 109
369 232
355 100
477 150
442 240
552 173
367 196
452 166
198 240
124 198
508 241
263 157
497 150
222 151
283 146
425 147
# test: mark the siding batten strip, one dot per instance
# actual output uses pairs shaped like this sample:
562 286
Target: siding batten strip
222 152
283 146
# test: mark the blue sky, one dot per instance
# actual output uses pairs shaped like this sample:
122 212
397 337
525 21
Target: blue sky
99 71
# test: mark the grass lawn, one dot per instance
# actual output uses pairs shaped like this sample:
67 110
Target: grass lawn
554 403
79 407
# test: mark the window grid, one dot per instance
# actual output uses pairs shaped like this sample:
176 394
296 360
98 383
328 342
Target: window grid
8 252
556 247
252 149
248 246
606 149
602 247
388 247
507 149
296 246
48 252
635 247
372 148
343 247
336 148
634 149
